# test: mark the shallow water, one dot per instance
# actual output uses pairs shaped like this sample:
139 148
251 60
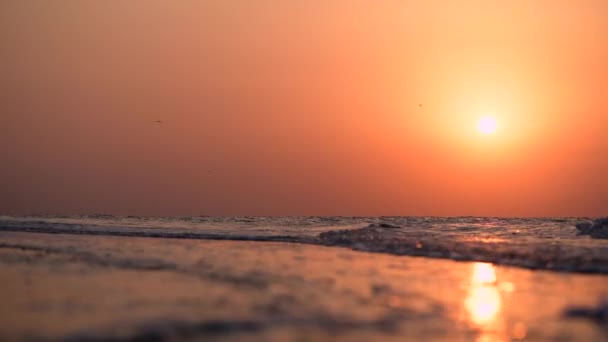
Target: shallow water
81 287
538 243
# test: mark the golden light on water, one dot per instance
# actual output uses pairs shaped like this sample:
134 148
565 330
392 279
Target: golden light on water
483 273
484 307
483 303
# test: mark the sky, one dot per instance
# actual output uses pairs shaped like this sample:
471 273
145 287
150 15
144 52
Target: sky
273 107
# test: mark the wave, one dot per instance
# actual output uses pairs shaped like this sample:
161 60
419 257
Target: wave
536 243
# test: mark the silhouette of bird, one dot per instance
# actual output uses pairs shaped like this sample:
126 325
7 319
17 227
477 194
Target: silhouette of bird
158 121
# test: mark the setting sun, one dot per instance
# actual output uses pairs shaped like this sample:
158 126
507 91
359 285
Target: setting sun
487 125
416 169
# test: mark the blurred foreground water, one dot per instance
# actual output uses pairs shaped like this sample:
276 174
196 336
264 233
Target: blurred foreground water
103 277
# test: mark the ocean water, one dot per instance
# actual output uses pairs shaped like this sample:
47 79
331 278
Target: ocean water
536 243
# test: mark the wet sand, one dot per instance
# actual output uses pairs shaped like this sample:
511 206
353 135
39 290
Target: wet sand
57 286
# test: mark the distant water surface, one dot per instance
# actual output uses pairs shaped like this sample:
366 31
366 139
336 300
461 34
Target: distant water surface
538 243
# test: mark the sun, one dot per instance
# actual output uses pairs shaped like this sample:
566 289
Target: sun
487 125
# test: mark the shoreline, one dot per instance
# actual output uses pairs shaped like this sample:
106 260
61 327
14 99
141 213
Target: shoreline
374 239
108 287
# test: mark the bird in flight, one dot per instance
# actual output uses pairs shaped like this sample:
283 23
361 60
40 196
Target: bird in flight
158 121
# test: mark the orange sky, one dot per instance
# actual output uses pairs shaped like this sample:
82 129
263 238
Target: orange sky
274 107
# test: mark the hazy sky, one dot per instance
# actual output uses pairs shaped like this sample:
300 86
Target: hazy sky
275 107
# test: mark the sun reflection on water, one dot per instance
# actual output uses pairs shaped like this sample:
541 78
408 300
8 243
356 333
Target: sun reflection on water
483 274
483 303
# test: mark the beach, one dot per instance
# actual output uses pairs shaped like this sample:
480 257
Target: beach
84 286
275 170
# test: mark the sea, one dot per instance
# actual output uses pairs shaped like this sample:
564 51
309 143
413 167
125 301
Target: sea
533 243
